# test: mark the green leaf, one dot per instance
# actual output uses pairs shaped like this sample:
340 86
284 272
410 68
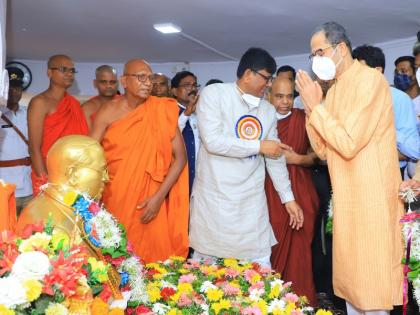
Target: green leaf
42 303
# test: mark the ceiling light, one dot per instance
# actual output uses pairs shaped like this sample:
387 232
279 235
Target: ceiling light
167 28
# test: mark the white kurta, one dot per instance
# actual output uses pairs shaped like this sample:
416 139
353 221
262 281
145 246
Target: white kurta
229 215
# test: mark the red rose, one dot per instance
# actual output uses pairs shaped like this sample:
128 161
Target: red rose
166 293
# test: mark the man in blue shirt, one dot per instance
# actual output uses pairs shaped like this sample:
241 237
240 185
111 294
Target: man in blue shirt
408 140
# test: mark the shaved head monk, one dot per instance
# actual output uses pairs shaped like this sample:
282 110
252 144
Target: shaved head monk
51 115
106 82
148 187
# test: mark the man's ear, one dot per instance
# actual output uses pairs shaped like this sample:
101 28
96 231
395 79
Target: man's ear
174 92
71 175
49 73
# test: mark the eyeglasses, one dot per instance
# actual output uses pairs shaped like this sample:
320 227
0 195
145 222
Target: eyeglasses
320 52
142 77
65 69
266 78
188 86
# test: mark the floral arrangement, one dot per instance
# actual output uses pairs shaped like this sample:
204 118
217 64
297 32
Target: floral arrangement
179 286
411 232
42 273
49 272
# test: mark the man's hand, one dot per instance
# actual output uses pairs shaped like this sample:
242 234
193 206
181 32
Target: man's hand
192 105
272 149
296 214
150 208
310 91
292 157
412 184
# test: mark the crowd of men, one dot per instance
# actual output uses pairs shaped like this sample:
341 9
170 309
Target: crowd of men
246 169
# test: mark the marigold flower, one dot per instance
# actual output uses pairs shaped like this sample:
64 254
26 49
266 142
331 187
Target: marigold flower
33 289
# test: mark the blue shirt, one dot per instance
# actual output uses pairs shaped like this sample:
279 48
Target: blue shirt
408 139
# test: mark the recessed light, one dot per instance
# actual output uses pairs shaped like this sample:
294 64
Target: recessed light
167 28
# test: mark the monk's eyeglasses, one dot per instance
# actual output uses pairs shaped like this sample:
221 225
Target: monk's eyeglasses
65 69
266 78
141 77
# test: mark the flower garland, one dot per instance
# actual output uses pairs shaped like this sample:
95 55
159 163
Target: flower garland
109 236
411 232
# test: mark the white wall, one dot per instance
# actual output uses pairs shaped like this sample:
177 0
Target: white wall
225 71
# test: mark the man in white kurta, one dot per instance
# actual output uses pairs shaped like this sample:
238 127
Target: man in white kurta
229 215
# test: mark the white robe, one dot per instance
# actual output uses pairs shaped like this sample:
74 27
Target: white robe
229 215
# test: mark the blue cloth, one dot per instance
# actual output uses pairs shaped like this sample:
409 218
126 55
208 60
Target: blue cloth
189 141
408 139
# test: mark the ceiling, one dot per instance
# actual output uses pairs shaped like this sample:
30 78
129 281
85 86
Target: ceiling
118 30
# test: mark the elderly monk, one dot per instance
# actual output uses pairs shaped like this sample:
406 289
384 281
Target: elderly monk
144 149
355 133
51 115
106 83
291 256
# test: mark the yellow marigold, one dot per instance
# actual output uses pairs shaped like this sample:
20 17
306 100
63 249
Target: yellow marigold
33 289
152 265
214 294
176 297
35 242
116 311
220 273
59 237
56 309
157 276
5 311
161 270
177 258
230 262
216 307
255 278
323 312
99 269
70 198
183 271
174 311
185 288
274 292
262 305
225 304
99 307
290 307
154 294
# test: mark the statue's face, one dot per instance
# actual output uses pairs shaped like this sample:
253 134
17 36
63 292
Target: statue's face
92 178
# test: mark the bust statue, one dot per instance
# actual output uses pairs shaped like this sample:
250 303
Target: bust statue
74 164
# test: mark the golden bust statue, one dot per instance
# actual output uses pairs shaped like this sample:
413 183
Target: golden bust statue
75 164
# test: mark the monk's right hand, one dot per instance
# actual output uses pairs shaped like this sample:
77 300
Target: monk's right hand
272 148
150 208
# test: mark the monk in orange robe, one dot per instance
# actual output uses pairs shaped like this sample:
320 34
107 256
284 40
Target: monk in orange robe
8 216
51 115
292 255
106 83
148 187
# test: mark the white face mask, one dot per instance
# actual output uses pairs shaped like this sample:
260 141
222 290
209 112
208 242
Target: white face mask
251 100
418 76
324 67
283 116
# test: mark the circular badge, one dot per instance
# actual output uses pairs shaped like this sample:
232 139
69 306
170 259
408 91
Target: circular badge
249 127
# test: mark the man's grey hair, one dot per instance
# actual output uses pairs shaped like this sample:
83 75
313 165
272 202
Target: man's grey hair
334 33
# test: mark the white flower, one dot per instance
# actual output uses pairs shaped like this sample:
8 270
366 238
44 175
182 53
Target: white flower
207 285
160 308
31 265
276 305
416 289
279 282
107 228
12 292
255 294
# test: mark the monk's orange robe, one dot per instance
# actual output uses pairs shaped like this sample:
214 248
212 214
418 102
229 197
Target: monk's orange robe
8 217
68 119
138 150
